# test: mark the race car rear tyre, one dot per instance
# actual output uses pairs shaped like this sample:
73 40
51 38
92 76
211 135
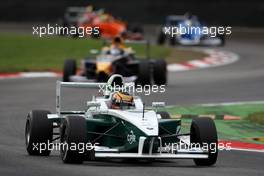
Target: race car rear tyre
96 33
173 41
38 133
137 29
222 38
161 38
69 69
203 132
144 73
73 133
160 72
164 115
102 77
63 23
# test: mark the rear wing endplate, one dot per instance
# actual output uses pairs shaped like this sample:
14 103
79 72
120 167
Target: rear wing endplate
60 84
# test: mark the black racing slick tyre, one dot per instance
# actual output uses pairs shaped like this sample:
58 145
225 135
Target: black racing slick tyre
144 73
73 133
222 38
138 29
38 132
96 34
69 69
160 72
161 38
173 41
164 115
203 132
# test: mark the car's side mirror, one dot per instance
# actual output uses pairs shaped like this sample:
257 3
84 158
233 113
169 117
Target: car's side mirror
158 104
94 51
90 104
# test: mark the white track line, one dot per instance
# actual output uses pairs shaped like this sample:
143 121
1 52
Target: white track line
233 103
247 150
215 58
38 74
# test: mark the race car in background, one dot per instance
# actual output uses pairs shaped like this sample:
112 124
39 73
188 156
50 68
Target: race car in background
108 26
117 59
193 37
118 125
71 17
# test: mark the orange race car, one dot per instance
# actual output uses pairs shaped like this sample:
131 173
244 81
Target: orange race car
109 26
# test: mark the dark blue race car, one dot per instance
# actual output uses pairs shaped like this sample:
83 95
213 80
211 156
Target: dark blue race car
190 31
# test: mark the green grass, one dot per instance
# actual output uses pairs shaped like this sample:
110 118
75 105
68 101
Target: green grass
242 110
21 52
257 117
250 126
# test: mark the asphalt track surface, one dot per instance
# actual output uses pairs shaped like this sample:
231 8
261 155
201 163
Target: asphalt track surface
240 81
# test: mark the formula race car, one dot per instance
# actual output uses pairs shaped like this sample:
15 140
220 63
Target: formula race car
118 125
108 26
192 36
117 59
72 16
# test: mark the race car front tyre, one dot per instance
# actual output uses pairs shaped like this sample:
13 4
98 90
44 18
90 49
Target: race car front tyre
38 133
160 72
203 132
69 69
73 133
164 115
144 73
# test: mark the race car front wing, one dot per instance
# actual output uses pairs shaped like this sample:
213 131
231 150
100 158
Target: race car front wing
179 154
153 156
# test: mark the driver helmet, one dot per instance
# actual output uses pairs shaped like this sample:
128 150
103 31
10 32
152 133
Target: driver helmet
116 52
118 43
89 9
121 100
188 15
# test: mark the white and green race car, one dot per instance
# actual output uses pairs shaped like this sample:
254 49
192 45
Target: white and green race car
127 131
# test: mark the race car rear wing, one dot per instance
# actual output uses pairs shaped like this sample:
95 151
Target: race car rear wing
106 88
145 42
60 84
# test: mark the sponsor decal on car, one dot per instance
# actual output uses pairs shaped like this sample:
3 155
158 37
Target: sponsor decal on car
131 138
